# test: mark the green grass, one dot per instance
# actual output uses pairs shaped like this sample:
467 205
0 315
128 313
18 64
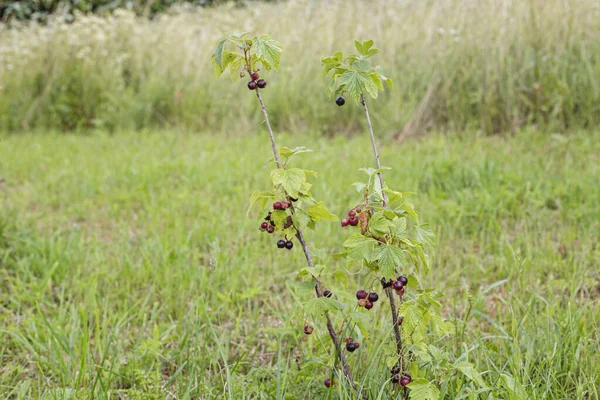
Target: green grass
129 269
490 65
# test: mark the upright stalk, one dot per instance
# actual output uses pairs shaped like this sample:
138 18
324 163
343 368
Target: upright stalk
388 290
334 337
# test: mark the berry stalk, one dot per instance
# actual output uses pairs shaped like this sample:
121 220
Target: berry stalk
300 236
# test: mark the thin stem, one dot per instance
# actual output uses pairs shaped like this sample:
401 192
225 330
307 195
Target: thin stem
334 337
388 291
375 152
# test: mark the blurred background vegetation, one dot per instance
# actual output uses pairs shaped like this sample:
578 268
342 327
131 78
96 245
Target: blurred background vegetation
493 66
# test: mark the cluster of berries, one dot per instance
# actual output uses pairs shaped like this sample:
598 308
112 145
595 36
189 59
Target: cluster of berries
255 82
352 220
351 345
269 226
397 284
403 379
365 299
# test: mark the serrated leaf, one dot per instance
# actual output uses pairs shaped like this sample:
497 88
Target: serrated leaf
413 316
360 247
292 179
425 236
422 389
307 272
300 218
379 225
268 51
319 212
384 78
399 228
260 198
470 372
358 82
319 306
388 257
359 186
217 56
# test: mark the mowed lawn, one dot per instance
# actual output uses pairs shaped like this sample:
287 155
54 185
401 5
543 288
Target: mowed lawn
129 267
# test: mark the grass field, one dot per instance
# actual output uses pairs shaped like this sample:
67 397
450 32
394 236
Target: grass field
129 268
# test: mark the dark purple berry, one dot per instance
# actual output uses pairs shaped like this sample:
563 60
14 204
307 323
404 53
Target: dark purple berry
264 226
327 382
261 83
354 221
373 297
351 213
345 222
289 245
308 329
350 347
340 101
386 283
327 293
356 345
361 294
254 76
400 321
281 244
369 305
405 380
270 229
395 378
251 85
400 292
277 205
395 370
397 285
404 280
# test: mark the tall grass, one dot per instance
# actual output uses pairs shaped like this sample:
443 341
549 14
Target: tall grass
489 65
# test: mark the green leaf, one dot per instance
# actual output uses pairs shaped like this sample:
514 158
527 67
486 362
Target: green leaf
399 228
384 78
379 225
260 198
413 316
268 51
318 212
389 257
514 387
359 186
291 179
422 389
319 306
360 247
341 277
217 56
358 82
425 236
470 372
288 153
301 218
307 272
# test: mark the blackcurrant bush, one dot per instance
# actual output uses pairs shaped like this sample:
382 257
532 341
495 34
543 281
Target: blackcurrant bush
264 226
362 302
327 382
400 321
396 378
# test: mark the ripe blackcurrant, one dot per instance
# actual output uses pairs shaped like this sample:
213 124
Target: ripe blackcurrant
289 244
264 226
405 380
251 85
404 280
281 244
254 76
351 347
352 213
261 83
270 229
354 221
327 382
308 329
340 101
373 297
369 305
396 378
397 285
345 222
277 205
327 293
361 294
395 370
